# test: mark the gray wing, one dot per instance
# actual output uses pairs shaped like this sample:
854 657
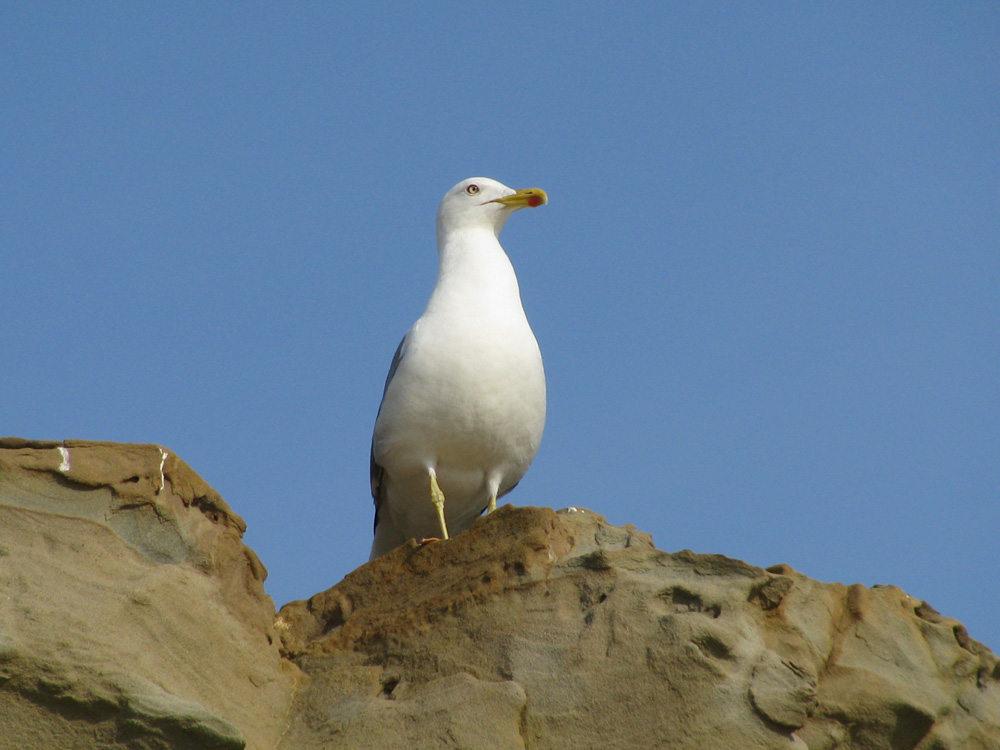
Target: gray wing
376 470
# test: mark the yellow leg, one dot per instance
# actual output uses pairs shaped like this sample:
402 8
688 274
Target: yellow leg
493 504
437 497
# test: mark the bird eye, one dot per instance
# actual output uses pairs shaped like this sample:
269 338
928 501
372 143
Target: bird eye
472 189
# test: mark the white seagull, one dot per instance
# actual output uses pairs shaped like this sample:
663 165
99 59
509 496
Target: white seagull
463 408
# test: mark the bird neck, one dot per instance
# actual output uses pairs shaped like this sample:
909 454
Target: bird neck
472 264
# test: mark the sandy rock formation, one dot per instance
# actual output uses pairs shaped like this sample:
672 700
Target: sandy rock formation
132 615
551 630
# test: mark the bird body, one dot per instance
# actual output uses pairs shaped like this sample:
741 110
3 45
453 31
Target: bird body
464 402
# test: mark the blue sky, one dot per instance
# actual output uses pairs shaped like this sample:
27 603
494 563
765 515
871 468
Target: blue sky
766 287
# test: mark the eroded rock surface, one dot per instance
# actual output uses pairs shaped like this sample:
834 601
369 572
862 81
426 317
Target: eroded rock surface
131 613
132 616
557 630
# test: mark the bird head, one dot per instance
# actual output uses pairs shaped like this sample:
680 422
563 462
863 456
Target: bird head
486 203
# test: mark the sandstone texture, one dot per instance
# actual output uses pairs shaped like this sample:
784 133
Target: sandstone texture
131 613
132 616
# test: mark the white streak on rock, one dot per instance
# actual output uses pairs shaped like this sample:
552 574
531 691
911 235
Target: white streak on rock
64 453
163 460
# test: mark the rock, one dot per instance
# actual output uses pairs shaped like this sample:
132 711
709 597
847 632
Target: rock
617 644
135 617
132 615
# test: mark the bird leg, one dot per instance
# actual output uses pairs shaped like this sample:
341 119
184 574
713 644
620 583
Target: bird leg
437 497
493 504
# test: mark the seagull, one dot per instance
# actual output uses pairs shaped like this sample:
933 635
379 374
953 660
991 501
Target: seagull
463 407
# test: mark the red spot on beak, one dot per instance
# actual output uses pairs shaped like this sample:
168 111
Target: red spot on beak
534 201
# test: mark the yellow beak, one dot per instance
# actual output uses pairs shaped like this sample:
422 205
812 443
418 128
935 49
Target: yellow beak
529 197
